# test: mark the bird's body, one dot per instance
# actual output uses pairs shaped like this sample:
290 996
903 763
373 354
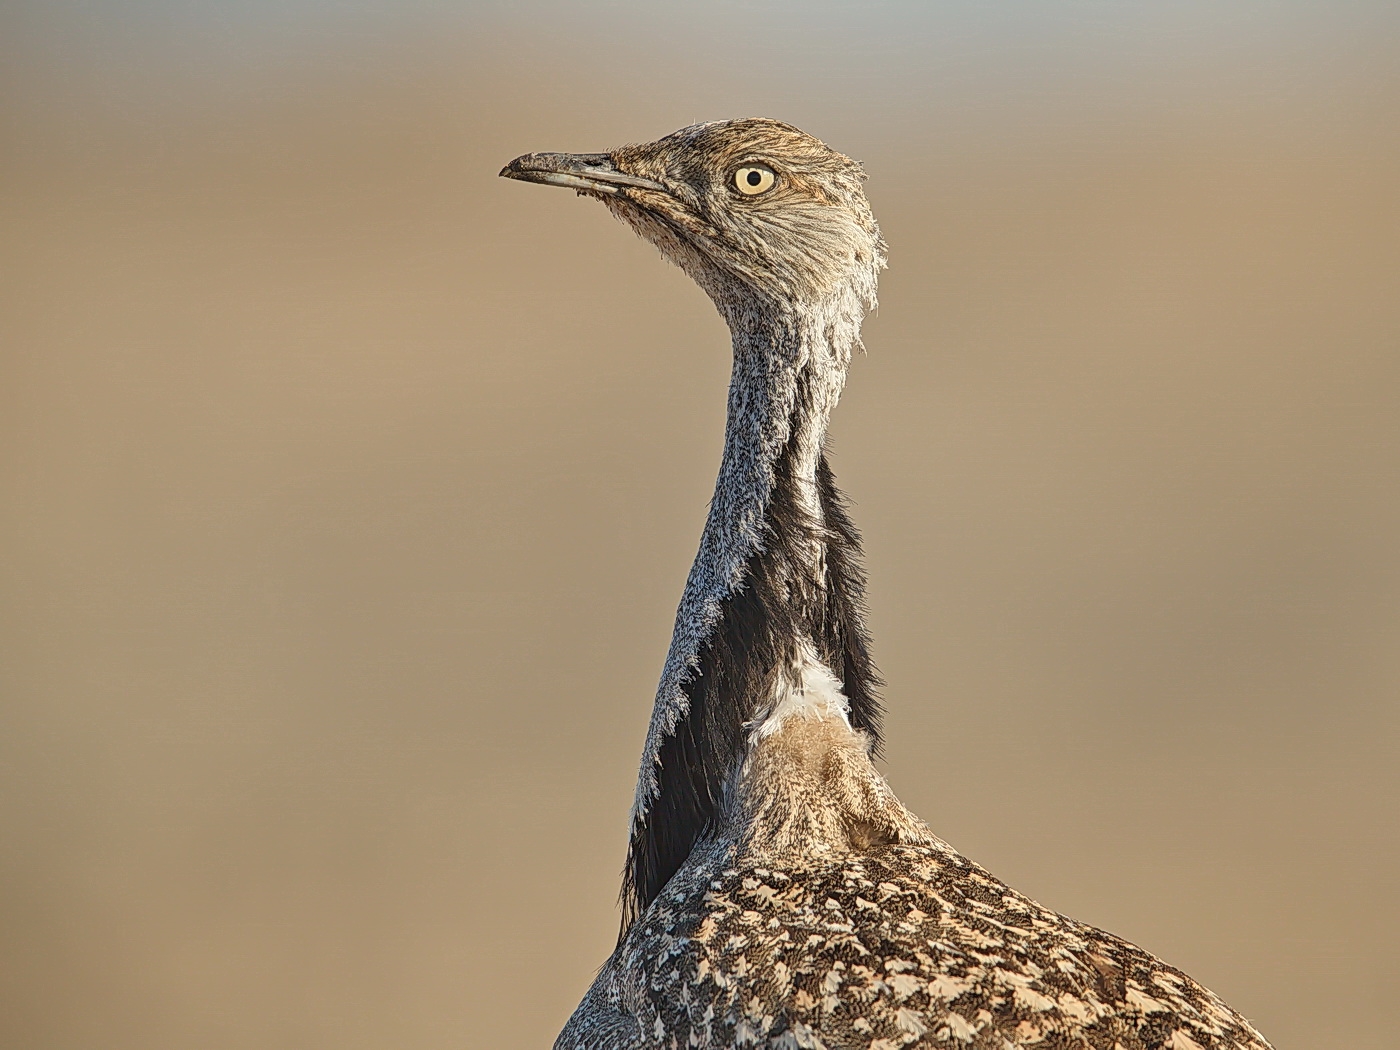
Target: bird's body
777 894
895 946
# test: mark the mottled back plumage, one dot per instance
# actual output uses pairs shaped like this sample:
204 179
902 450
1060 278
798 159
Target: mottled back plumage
776 893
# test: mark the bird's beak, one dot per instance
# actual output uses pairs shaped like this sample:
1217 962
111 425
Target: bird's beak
585 172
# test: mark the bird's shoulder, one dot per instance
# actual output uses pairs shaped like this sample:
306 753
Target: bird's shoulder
903 945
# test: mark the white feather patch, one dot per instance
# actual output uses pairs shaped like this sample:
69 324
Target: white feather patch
808 690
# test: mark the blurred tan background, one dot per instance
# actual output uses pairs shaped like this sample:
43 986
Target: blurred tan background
348 491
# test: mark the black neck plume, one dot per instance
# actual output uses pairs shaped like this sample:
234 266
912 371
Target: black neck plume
804 583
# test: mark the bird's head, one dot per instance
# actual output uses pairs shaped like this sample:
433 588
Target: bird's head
761 215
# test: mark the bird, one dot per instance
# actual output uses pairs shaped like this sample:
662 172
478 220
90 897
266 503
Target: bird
776 893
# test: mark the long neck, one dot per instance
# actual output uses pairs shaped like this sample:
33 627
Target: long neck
777 581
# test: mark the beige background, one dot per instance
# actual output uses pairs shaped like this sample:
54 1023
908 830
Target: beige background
348 491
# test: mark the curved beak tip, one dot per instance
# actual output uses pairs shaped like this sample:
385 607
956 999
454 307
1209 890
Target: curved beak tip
516 168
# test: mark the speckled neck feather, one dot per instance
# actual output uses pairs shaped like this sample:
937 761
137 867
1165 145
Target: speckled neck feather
778 570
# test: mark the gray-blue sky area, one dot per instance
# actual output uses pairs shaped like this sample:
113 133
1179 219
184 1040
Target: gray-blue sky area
869 55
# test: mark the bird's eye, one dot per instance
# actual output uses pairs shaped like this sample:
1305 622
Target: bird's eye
753 179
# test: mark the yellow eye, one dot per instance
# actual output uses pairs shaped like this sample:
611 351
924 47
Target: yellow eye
753 179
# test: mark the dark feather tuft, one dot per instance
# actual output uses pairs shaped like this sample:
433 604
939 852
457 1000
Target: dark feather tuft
806 581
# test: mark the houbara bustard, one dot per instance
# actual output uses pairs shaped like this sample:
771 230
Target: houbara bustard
776 893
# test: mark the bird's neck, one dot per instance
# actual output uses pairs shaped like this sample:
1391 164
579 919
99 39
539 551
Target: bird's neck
786 380
773 607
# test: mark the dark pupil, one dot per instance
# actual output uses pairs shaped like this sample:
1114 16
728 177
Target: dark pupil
754 178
